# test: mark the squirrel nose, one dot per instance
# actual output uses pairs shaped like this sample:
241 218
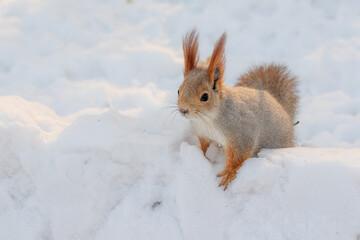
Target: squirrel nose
184 110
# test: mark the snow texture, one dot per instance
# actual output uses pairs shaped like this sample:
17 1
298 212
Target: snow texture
90 148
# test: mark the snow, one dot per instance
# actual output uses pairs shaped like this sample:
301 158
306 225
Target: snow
90 147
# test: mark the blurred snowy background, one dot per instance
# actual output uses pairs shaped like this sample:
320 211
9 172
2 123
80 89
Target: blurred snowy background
89 149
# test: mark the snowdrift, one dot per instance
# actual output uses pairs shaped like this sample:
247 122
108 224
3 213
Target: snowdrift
98 175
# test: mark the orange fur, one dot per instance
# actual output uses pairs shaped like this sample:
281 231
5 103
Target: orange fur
204 144
205 64
234 160
218 59
190 95
191 50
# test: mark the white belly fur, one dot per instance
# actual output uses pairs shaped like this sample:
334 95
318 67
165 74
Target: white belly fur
208 129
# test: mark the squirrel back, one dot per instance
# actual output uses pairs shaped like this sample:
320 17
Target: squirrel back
276 80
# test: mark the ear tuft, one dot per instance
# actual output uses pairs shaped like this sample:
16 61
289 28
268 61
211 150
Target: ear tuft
190 48
216 67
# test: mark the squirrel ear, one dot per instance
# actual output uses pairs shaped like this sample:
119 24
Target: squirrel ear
217 76
216 67
190 48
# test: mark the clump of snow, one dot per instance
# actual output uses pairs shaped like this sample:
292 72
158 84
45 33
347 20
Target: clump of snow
91 147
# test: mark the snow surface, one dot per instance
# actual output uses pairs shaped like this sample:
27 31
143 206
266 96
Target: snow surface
90 148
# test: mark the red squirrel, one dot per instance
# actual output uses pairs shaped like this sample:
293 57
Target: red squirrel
258 112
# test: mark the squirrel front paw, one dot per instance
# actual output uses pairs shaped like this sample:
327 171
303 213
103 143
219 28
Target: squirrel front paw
234 160
228 175
204 144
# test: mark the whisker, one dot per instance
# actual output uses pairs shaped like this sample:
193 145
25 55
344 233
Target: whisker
169 100
171 106
205 114
174 115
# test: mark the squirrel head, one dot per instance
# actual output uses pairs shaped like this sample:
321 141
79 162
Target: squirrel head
200 92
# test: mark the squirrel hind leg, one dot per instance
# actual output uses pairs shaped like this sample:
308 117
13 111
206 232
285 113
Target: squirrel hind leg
204 144
234 160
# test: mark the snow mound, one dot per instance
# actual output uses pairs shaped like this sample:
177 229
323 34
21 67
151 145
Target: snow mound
96 175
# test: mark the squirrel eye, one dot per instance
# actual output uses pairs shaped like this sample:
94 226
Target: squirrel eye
204 97
178 92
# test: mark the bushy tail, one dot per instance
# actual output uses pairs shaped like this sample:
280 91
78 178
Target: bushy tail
278 81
